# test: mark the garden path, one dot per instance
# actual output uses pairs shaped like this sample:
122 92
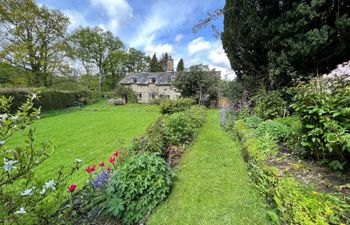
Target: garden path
212 184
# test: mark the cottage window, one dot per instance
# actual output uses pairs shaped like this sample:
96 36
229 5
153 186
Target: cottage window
139 95
134 79
152 96
152 80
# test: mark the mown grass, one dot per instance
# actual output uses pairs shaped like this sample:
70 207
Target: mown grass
91 134
212 185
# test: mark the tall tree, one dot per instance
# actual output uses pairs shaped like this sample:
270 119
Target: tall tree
137 61
180 66
163 61
32 38
94 45
155 66
198 81
277 41
116 67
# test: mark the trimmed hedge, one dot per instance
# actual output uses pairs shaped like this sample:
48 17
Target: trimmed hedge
48 99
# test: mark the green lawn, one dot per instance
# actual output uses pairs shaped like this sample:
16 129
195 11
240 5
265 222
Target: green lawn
92 134
212 185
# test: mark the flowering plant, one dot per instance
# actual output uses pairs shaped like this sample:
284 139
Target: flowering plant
23 198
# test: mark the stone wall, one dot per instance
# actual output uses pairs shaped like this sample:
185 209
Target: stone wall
145 93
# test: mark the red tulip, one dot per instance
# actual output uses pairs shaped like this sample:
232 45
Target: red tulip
90 169
116 154
72 187
108 169
112 159
102 164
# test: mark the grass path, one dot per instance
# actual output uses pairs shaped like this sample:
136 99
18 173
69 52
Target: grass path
212 185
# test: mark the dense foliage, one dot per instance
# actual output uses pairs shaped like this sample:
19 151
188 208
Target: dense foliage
289 201
138 186
277 41
47 99
324 108
198 82
173 106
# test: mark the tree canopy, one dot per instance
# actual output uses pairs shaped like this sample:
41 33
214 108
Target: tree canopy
275 42
180 66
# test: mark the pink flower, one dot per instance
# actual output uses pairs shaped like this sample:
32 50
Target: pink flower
116 154
72 187
108 169
102 164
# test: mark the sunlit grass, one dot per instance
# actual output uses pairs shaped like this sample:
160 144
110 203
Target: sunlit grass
212 186
91 134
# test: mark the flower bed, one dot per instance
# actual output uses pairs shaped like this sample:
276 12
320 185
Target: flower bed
289 199
126 188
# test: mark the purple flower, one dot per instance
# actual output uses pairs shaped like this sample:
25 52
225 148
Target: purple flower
101 179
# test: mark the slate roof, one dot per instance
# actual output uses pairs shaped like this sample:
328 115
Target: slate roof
145 78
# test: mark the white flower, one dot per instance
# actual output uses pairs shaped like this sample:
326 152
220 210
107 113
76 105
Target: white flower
28 192
3 116
9 164
78 160
21 211
33 96
14 118
50 184
2 142
43 191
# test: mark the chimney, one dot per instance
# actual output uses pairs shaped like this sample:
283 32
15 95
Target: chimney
170 65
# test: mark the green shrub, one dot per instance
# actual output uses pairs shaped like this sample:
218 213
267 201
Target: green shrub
126 93
197 115
178 129
324 108
253 122
278 130
270 105
48 99
140 184
173 106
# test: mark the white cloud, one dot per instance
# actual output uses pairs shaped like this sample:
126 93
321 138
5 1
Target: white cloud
218 56
197 45
76 19
179 37
158 49
118 11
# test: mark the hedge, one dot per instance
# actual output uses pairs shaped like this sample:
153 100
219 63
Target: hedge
48 99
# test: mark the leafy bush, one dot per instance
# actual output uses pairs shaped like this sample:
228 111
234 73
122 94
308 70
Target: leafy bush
196 114
173 106
253 121
126 93
48 99
178 129
270 105
278 130
140 184
324 108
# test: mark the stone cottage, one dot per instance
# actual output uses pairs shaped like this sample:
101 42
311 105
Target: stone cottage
152 85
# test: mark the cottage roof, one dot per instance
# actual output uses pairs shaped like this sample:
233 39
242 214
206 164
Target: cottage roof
145 78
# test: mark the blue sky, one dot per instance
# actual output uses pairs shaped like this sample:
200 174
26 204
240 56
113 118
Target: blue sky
154 26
